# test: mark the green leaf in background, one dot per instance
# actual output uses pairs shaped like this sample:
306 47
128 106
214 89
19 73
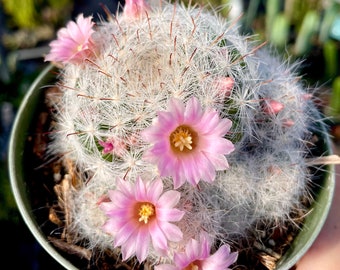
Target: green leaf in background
58 4
272 9
22 12
280 31
309 28
330 54
328 22
251 14
334 103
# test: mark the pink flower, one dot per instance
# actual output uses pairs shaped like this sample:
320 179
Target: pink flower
139 213
74 43
188 143
135 8
197 256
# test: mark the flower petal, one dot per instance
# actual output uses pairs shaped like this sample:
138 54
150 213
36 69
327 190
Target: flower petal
171 215
193 110
140 190
165 267
125 233
129 248
142 242
159 240
177 109
155 190
171 231
221 259
169 199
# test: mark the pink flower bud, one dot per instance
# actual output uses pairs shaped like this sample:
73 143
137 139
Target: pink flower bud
288 123
224 85
135 8
103 198
108 146
307 96
272 107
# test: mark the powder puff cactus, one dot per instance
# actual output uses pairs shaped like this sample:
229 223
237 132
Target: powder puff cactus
176 94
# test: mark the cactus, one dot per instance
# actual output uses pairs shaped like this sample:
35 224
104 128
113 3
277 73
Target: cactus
238 116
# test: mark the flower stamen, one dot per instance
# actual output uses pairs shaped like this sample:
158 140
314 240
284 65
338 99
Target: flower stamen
146 211
182 138
193 266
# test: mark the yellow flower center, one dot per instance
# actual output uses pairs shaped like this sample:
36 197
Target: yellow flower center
183 139
145 212
79 47
192 266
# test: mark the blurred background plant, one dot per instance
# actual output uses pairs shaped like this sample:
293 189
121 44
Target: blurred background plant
25 26
299 30
306 30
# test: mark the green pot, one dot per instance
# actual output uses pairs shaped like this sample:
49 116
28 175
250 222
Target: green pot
20 170
19 162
